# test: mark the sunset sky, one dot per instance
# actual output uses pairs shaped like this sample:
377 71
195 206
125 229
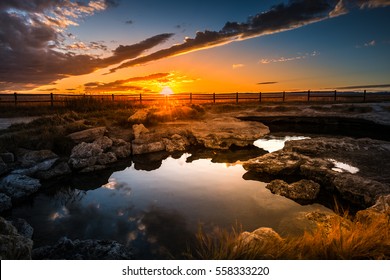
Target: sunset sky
119 46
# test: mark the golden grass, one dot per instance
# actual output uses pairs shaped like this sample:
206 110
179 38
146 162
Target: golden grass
337 239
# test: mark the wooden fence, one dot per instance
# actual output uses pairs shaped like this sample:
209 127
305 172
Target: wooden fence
18 99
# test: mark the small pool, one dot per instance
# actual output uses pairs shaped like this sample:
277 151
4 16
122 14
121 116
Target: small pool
158 210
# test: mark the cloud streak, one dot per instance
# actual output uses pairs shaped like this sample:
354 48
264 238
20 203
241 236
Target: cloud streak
286 59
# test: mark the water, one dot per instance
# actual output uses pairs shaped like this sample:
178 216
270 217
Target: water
7 122
159 209
272 143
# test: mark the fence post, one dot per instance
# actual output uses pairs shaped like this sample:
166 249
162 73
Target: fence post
140 98
364 96
51 100
214 97
16 98
308 95
112 97
259 97
335 95
284 96
237 97
190 97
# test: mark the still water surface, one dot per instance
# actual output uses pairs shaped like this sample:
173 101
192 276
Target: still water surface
159 208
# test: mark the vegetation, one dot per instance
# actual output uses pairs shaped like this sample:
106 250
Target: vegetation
363 237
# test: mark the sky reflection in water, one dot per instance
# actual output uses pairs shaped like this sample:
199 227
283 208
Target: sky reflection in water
160 207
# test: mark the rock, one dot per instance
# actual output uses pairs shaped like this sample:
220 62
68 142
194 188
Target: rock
121 148
3 167
260 238
32 158
376 213
176 143
19 186
140 116
93 168
13 246
67 249
84 155
42 166
23 228
7 157
359 190
5 202
139 148
139 129
106 158
301 191
222 133
59 169
276 163
104 143
88 135
382 204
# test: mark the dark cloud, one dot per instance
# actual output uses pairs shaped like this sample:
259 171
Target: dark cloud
31 43
294 14
365 86
124 85
129 21
267 83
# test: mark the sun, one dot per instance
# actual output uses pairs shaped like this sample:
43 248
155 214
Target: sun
166 91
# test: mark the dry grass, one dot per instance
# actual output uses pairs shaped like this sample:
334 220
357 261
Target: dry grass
338 239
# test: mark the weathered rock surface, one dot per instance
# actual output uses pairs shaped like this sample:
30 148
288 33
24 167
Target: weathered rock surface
261 237
301 191
312 159
84 155
222 133
7 157
104 143
5 202
13 246
19 186
60 168
29 158
88 135
23 228
67 249
139 129
121 148
140 116
139 147
176 143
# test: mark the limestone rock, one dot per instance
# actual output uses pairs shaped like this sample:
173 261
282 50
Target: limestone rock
140 116
19 186
176 143
84 155
104 143
121 148
88 135
5 202
139 129
144 148
23 228
84 250
276 163
222 133
261 237
29 158
59 169
301 191
13 246
106 158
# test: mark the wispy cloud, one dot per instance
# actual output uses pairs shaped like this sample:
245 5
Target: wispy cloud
368 44
267 83
236 66
286 59
127 84
364 86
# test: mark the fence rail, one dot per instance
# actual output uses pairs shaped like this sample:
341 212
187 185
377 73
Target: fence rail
51 99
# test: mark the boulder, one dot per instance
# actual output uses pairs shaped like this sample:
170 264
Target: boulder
5 202
106 158
302 191
276 163
61 168
3 167
139 129
19 186
121 148
104 143
260 238
13 246
67 249
7 157
88 135
176 143
29 158
42 166
23 228
144 148
222 133
140 116
84 155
